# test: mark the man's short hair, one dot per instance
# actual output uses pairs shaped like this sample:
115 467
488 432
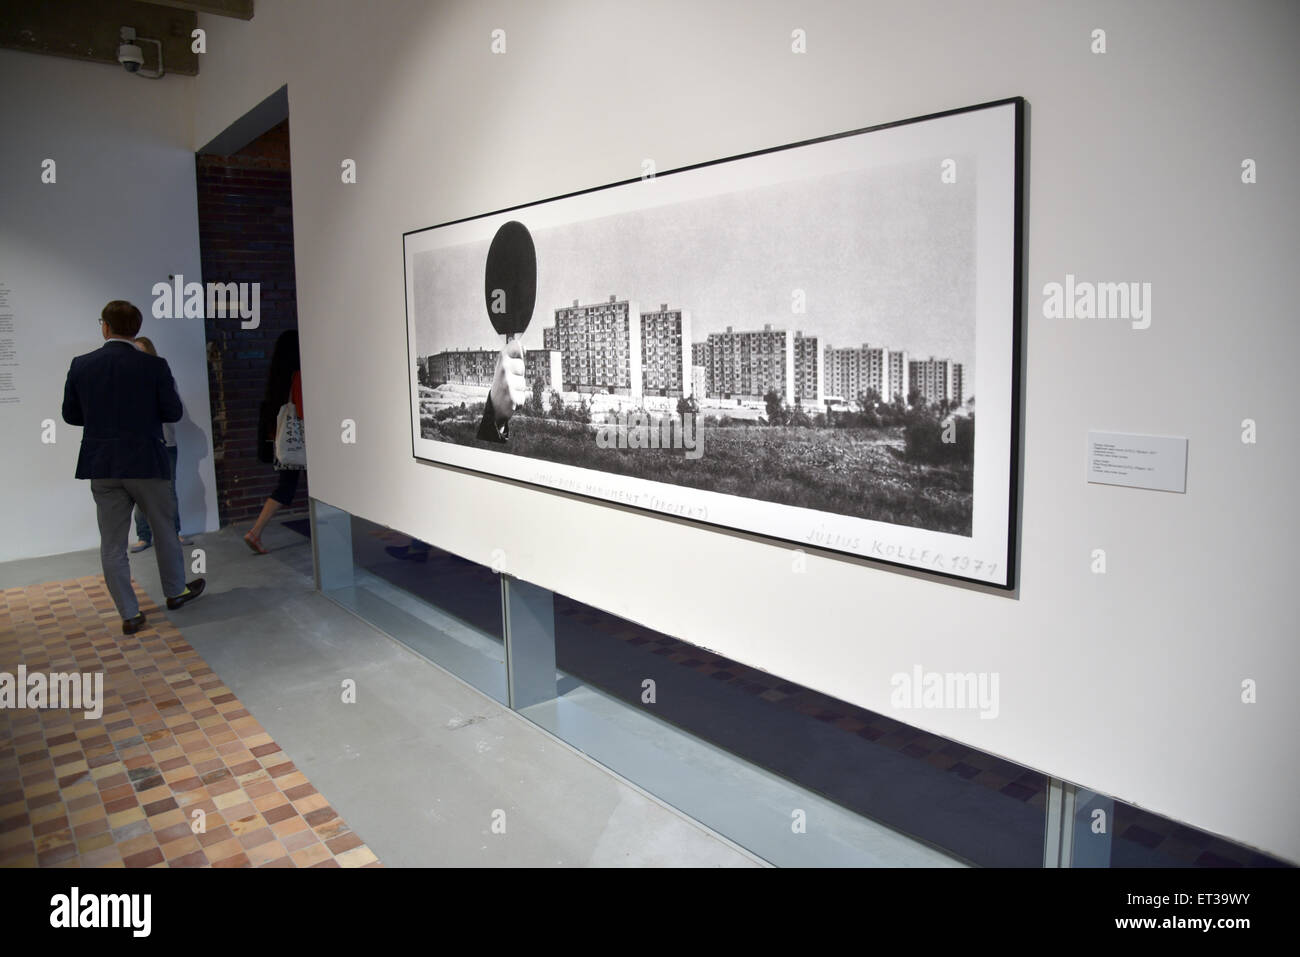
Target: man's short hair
123 318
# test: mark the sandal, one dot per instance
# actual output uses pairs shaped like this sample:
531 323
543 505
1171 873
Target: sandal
255 544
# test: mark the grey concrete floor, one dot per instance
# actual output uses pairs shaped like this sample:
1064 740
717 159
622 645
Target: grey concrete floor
427 770
739 800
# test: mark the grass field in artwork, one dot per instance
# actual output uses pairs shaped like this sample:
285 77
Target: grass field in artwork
879 473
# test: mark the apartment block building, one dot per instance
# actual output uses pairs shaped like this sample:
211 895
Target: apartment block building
749 364
462 366
600 347
937 379
543 365
899 381
809 370
853 371
665 354
700 359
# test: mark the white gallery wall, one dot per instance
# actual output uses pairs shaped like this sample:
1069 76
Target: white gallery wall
120 215
1128 682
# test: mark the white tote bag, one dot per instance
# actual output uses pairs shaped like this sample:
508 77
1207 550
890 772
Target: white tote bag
290 449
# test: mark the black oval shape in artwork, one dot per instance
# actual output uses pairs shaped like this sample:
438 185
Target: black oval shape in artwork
510 279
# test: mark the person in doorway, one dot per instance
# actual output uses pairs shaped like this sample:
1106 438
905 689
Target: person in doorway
283 384
143 533
120 397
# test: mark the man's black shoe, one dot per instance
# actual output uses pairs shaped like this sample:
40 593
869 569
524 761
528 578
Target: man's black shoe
192 591
131 625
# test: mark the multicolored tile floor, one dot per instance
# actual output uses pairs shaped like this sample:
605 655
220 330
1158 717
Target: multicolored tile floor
127 789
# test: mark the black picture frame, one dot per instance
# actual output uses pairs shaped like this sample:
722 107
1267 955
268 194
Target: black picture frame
1009 412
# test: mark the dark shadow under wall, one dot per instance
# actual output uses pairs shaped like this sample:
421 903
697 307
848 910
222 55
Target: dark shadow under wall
981 808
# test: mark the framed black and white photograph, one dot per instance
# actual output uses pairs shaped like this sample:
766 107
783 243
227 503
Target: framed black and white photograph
793 343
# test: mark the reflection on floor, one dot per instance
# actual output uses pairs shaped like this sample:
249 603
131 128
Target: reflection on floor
932 800
127 788
470 591
976 805
865 762
734 798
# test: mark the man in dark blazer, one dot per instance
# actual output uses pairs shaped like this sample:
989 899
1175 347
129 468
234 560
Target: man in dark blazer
122 396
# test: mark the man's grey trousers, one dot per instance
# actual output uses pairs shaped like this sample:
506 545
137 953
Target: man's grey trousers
114 499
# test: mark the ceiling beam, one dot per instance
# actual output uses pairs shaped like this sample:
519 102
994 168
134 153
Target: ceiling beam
88 30
239 9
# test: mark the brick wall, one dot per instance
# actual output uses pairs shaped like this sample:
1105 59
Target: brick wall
246 235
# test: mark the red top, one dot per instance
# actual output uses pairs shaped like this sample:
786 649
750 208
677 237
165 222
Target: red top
295 393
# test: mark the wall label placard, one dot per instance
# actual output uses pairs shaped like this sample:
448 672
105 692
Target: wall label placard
1156 462
9 362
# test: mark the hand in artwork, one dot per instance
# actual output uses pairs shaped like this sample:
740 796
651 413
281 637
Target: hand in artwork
508 392
508 387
